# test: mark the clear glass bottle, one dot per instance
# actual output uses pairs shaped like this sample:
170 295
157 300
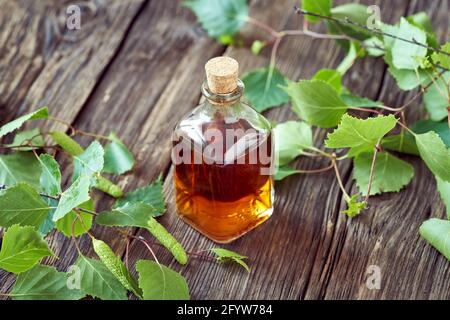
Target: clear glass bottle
223 157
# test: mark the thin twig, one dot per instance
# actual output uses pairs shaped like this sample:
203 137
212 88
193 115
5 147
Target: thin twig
348 21
69 125
263 26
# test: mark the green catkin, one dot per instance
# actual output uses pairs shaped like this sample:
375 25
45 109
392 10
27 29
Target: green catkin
74 149
67 143
167 240
108 187
116 266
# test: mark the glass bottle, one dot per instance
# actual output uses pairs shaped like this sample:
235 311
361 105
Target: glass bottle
223 156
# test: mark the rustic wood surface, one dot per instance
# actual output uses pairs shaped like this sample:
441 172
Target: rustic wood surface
135 68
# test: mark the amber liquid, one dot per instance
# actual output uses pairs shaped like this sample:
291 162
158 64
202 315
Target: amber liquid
224 201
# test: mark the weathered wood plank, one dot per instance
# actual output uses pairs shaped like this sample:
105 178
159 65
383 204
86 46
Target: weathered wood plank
300 233
386 235
307 249
158 53
44 63
41 63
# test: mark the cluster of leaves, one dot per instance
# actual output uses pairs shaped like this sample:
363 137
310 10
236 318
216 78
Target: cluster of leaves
33 204
415 59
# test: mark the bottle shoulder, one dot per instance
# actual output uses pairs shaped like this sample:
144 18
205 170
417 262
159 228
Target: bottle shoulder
239 115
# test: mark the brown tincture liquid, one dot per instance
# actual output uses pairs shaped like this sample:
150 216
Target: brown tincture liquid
224 201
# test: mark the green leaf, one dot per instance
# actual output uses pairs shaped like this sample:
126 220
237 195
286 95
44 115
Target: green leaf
227 255
159 282
19 167
116 266
74 196
46 284
67 226
284 171
139 214
257 46
22 248
403 142
22 205
442 59
48 225
73 148
263 88
349 59
408 79
316 102
422 21
354 207
16 124
355 12
67 143
108 187
97 281
441 128
22 138
437 233
436 98
390 174
219 17
360 134
292 138
90 162
134 214
374 46
444 190
330 76
352 100
167 240
322 7
118 158
151 194
435 154
408 55
50 179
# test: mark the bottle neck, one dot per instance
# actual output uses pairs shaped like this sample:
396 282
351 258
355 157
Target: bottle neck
223 99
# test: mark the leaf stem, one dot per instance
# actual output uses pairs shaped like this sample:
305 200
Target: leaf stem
316 170
339 179
74 239
321 152
77 210
372 170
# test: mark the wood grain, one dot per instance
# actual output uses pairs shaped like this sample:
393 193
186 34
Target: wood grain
307 207
136 68
129 91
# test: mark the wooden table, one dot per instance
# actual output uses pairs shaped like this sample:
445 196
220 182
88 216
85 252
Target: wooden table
135 68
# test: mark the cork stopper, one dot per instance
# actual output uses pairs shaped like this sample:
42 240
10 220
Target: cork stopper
222 74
